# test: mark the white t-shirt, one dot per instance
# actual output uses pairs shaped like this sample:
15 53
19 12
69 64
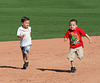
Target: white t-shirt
27 39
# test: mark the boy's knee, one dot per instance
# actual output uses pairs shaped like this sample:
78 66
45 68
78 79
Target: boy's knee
70 58
80 57
25 53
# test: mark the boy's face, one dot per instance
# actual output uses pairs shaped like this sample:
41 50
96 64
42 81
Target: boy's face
72 25
26 23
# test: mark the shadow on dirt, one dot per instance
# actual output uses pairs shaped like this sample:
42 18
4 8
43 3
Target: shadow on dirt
56 70
10 67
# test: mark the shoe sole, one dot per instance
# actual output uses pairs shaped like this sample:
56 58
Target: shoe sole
72 71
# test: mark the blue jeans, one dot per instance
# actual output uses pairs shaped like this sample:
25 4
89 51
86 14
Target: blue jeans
25 49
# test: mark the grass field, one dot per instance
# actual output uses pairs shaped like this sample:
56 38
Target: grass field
49 18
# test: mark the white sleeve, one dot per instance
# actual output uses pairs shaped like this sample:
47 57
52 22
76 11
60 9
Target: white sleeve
30 29
18 32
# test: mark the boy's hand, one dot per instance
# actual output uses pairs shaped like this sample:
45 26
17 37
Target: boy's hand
65 39
21 36
24 35
90 41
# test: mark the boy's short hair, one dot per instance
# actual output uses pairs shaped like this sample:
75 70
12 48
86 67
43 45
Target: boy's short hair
24 19
73 20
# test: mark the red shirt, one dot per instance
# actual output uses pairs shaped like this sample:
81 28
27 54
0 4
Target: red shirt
75 37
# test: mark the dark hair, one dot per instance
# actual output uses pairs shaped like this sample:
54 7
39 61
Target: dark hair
24 19
73 20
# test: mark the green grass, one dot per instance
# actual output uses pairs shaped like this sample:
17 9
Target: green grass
49 18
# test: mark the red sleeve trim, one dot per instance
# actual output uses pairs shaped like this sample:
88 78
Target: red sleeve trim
66 35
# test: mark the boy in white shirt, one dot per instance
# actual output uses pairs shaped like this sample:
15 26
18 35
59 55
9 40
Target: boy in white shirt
24 33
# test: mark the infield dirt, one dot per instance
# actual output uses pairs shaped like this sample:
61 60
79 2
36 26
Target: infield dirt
48 62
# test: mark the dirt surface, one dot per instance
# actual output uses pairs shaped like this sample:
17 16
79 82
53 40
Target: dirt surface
48 62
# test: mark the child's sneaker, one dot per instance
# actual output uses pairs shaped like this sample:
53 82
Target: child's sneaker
25 65
73 70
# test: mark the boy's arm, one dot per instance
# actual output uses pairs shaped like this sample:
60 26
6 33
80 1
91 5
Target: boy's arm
21 36
84 34
90 41
66 36
31 36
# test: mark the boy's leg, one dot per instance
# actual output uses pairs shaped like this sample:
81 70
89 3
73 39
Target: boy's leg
72 63
80 53
26 52
25 56
71 57
73 69
26 60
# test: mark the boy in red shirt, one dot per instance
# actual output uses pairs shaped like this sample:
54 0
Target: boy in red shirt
76 43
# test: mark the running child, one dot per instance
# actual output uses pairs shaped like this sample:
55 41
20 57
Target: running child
24 33
76 44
